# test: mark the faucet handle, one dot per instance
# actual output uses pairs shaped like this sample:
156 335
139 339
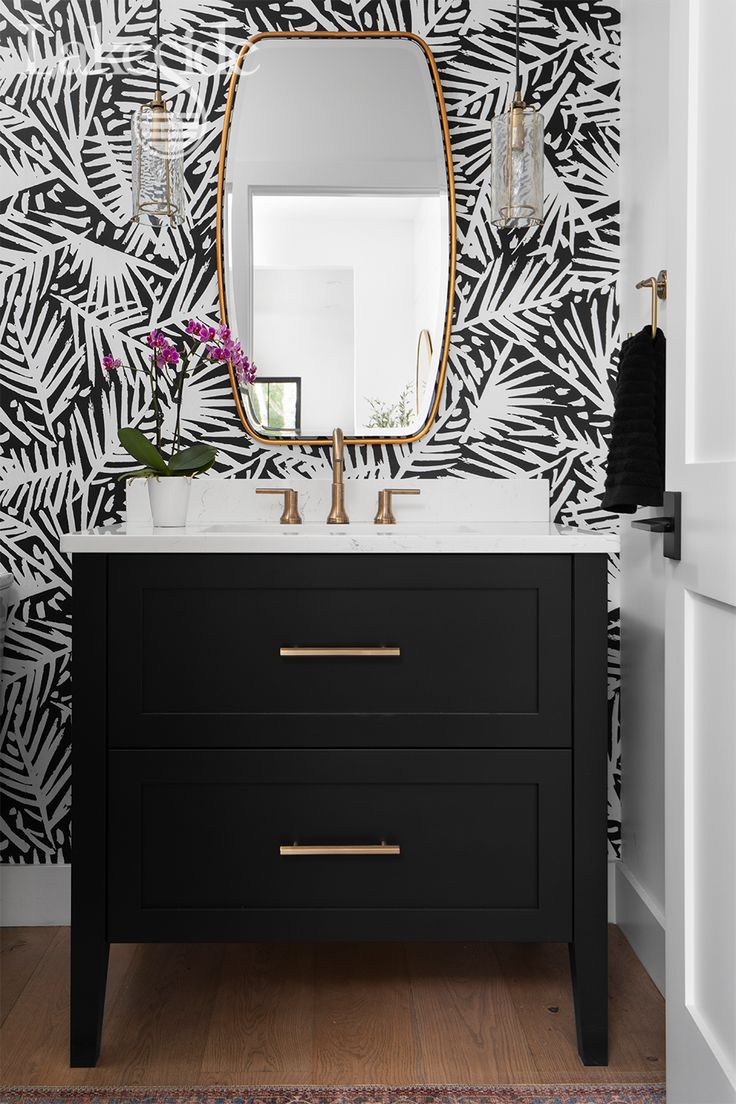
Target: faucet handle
290 516
385 515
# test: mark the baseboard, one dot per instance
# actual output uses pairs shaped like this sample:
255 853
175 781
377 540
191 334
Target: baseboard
35 895
612 864
642 922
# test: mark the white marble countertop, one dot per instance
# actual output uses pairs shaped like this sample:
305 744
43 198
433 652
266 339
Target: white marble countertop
449 515
270 537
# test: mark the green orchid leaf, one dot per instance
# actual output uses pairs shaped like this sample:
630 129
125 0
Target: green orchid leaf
201 471
141 449
195 458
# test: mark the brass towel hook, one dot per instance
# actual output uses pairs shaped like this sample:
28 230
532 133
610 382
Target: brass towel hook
658 285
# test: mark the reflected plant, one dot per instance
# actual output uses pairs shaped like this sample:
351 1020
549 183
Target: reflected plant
386 416
167 370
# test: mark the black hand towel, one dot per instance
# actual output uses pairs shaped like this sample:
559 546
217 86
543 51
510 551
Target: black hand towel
635 469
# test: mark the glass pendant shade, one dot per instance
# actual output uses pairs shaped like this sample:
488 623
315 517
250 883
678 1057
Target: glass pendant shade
158 165
517 167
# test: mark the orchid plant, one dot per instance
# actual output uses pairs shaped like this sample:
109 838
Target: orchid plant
167 369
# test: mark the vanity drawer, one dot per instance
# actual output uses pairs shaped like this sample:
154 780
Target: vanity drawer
195 841
463 650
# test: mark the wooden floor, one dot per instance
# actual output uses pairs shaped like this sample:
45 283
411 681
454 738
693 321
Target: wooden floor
328 1014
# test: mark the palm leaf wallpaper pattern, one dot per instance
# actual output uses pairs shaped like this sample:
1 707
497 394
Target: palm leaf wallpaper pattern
536 322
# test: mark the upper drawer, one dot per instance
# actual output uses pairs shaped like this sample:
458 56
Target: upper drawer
471 650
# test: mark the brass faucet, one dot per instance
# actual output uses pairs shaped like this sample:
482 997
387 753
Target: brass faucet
337 515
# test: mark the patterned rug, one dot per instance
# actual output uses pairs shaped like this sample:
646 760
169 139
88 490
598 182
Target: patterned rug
452 1094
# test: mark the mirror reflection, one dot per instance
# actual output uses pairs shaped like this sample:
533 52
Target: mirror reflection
337 235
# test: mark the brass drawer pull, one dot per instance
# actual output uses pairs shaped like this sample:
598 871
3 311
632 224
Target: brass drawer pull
311 653
306 849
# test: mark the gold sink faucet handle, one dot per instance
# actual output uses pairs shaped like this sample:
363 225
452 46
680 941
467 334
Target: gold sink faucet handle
290 516
385 515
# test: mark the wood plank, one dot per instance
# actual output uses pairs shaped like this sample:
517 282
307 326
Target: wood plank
538 978
21 950
363 1029
157 1026
35 1040
539 981
334 1014
35 1036
122 957
468 1031
636 1011
262 1022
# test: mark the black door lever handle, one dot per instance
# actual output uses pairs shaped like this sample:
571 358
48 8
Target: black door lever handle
655 524
670 524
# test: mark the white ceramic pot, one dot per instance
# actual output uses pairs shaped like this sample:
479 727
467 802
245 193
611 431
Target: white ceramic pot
169 498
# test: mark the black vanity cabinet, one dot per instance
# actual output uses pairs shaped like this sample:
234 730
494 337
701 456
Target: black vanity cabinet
343 746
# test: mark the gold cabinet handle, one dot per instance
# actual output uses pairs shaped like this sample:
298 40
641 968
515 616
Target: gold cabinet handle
385 515
321 653
307 849
290 515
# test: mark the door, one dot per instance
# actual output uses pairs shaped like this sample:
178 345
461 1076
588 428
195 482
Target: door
700 590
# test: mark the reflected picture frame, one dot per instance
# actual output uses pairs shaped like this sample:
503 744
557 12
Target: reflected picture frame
295 382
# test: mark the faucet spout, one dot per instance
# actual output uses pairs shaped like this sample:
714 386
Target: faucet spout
338 445
337 514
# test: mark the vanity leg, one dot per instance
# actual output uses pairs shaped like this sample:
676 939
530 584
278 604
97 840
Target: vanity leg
589 946
89 946
589 970
89 976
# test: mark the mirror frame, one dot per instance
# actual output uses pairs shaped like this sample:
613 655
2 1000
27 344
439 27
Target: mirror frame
442 366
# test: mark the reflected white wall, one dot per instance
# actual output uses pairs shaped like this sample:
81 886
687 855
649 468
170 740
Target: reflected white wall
304 326
370 271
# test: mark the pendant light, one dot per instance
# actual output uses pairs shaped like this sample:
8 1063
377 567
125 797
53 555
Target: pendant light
157 156
517 161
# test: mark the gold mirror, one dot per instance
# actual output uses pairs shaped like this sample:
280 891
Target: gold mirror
336 235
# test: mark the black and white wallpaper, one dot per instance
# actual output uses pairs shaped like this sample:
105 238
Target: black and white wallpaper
534 343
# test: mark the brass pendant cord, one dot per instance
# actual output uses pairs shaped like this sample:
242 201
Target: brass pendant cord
518 79
158 46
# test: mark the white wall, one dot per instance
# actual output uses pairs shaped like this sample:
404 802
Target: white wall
640 900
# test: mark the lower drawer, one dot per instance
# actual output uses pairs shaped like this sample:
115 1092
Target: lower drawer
339 844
